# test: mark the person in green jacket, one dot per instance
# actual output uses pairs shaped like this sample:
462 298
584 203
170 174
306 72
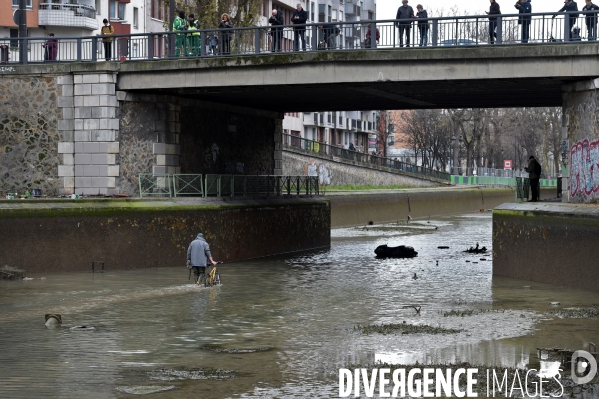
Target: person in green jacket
179 26
193 36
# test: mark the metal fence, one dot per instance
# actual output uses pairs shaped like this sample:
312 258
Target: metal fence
226 185
512 29
310 146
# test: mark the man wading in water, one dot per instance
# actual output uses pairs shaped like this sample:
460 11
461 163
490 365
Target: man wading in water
198 254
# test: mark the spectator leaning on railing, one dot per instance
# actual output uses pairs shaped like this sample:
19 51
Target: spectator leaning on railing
591 19
493 10
299 17
422 25
569 7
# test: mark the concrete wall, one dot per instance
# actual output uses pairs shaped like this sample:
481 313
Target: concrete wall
352 209
581 114
547 243
67 236
343 172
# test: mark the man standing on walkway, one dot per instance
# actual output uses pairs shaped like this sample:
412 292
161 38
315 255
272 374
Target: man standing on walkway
534 174
494 11
524 7
405 12
198 255
299 17
591 19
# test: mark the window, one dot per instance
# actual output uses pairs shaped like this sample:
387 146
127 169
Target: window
321 13
113 10
330 13
98 6
122 10
158 10
15 4
334 15
14 33
135 17
312 11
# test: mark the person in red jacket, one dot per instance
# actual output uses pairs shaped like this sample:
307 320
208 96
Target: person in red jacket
369 34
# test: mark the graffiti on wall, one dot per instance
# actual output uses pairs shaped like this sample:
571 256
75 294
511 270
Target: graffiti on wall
584 170
319 170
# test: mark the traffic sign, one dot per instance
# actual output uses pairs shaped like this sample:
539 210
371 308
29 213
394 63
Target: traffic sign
15 17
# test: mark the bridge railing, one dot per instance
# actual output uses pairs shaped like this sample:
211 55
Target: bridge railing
311 146
508 29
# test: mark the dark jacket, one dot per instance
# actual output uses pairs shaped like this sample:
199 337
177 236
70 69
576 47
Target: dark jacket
302 18
524 8
329 30
570 6
227 29
369 33
494 10
591 18
404 12
422 15
277 22
533 169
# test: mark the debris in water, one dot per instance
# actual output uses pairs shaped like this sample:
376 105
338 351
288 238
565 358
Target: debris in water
443 247
476 250
555 303
53 320
483 259
402 251
404 328
191 374
218 349
415 277
12 273
83 328
145 390
416 308
590 312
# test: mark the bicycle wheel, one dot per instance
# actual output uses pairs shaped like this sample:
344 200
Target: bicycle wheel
217 278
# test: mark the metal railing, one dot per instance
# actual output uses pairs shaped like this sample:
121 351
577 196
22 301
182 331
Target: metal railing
311 146
226 185
506 29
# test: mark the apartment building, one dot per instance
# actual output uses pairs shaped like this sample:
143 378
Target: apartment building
81 18
342 127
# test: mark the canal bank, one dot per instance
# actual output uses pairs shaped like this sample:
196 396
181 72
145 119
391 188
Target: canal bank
67 235
548 243
354 208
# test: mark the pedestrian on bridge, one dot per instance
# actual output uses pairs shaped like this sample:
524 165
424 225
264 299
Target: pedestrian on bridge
50 48
493 10
525 8
591 19
422 25
107 32
193 35
569 7
180 26
404 13
226 27
299 18
276 21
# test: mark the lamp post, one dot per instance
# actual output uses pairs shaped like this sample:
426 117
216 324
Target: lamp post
452 162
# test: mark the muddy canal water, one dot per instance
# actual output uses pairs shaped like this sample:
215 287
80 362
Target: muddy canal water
282 326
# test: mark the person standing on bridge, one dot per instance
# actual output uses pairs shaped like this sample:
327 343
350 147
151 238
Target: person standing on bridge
277 22
525 8
569 7
193 36
198 255
405 12
422 25
591 19
107 32
299 18
180 26
226 27
50 48
493 10
534 174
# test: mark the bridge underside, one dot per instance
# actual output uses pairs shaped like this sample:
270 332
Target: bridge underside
487 93
489 77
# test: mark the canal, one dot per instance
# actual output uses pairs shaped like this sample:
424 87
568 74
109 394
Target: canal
281 326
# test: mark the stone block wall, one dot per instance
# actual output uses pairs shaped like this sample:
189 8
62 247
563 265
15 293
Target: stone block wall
30 132
90 133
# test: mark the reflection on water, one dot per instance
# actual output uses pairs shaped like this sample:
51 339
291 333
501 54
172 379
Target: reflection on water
280 326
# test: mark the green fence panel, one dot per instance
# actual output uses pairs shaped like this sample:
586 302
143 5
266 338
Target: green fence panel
154 185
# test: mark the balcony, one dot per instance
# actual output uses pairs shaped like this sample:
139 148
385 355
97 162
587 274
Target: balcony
352 9
70 15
